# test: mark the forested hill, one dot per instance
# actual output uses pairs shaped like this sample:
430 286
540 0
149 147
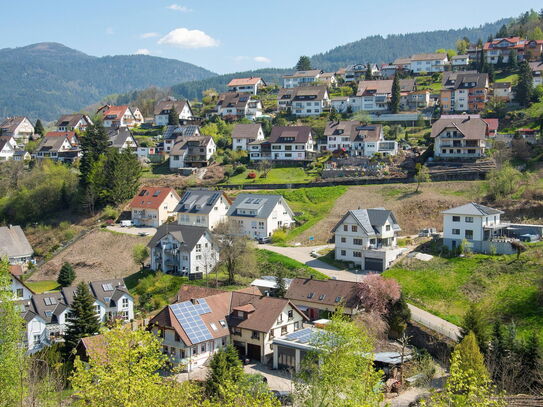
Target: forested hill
48 79
378 49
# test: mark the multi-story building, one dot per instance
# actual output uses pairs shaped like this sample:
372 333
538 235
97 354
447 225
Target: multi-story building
246 85
120 116
163 108
172 134
202 207
238 105
59 146
464 92
367 238
503 91
19 127
500 49
301 78
358 139
304 101
243 134
121 138
73 122
152 206
428 63
459 62
192 152
460 137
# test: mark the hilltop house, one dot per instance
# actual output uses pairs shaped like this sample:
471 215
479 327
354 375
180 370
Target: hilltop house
14 245
304 101
500 49
460 62
201 207
152 206
73 122
301 78
428 63
19 127
194 152
358 139
367 238
163 108
464 91
238 105
243 134
259 215
356 72
59 146
246 85
121 138
460 137
184 250
483 231
120 116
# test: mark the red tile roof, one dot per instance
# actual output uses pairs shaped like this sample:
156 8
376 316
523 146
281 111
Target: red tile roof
244 81
493 124
116 111
151 197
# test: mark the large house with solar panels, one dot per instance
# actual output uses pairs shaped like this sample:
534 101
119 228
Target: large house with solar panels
152 206
237 105
193 329
202 207
367 238
259 215
183 250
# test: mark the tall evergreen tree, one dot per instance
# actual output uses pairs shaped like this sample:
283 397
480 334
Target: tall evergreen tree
280 274
224 368
66 275
303 64
476 322
525 85
368 76
94 142
512 62
82 320
38 128
173 116
395 97
122 172
502 33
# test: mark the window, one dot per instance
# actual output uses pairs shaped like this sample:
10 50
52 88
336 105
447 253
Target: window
198 257
322 296
272 333
354 228
19 292
456 231
310 295
338 299
290 314
213 326
296 325
198 248
284 330
469 234
346 228
357 242
387 228
343 240
97 309
343 252
236 331
469 219
357 254
456 219
203 347
125 302
223 323
195 350
37 339
255 335
280 318
177 337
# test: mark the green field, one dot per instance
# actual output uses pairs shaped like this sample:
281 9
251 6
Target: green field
267 260
289 175
43 286
507 289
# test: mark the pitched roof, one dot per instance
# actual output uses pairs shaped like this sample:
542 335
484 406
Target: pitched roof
244 81
290 134
471 127
472 208
503 85
71 120
536 66
70 134
383 86
109 291
13 242
4 141
428 57
402 61
355 130
200 201
10 124
234 99
187 236
94 346
173 132
464 80
246 130
304 74
370 219
117 137
115 112
513 42
326 292
152 197
182 144
53 144
493 124
164 106
261 204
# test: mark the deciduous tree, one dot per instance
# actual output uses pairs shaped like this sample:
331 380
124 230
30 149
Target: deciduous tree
422 175
140 253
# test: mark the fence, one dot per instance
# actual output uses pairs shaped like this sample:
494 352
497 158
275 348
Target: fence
434 323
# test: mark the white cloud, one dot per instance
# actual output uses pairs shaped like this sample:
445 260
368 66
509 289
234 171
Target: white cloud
264 60
185 38
149 35
143 51
177 7
110 31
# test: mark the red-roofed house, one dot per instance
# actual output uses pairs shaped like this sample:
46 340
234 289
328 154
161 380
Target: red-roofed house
493 125
153 205
246 85
120 116
502 47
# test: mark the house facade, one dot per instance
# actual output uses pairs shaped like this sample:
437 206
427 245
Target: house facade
358 139
367 238
203 208
304 101
246 85
238 105
243 134
428 63
194 152
73 122
163 108
152 206
119 116
503 91
121 138
460 137
464 92
14 245
301 78
7 147
59 146
537 73
19 127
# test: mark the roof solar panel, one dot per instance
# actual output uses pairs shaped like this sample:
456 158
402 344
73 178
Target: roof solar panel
188 316
302 336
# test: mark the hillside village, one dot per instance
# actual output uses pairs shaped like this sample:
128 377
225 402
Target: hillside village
250 229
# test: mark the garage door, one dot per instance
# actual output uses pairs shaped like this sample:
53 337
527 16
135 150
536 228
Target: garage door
253 351
373 264
240 346
286 357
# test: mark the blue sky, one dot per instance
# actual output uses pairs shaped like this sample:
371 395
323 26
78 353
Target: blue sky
237 35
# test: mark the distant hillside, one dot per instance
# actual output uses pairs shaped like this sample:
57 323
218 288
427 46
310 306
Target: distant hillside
193 90
378 49
47 79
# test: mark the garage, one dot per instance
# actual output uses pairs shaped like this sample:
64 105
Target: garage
373 264
253 351
240 346
286 357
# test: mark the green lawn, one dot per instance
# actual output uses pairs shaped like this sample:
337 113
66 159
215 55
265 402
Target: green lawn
504 77
43 286
505 288
267 260
288 175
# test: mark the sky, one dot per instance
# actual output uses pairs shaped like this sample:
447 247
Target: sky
233 36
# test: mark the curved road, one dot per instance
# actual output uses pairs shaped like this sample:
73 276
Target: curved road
303 255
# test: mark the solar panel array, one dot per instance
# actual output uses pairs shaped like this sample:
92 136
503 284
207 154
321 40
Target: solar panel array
302 336
188 316
202 306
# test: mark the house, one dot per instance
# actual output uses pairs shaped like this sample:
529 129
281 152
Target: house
163 108
373 95
356 72
238 105
119 116
172 134
121 138
319 298
388 71
73 122
14 245
37 334
192 152
428 63
537 73
152 206
402 63
499 49
304 101
19 127
503 91
460 137
243 134
259 215
21 155
292 143
246 85
464 91
367 238
417 99
19 289
59 146
329 79
8 146
358 139
460 61
301 78
183 250
192 330
482 230
202 207
493 125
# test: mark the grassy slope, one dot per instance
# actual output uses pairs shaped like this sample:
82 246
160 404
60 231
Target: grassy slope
291 175
506 288
42 286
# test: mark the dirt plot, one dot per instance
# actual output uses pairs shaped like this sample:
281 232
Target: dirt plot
414 211
99 255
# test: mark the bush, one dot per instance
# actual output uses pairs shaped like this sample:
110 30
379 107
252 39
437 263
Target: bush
240 169
279 236
110 212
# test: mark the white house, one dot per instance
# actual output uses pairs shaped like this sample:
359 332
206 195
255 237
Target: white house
503 91
301 78
259 215
163 108
152 206
358 139
243 134
460 137
246 85
192 152
537 73
172 134
464 91
183 250
121 138
202 207
292 143
237 105
367 238
59 146
118 116
428 63
460 61
20 289
14 245
72 122
304 101
19 127
7 147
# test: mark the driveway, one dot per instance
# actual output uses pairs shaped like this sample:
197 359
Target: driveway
132 230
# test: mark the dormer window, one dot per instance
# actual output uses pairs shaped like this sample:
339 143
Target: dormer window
338 299
322 296
310 295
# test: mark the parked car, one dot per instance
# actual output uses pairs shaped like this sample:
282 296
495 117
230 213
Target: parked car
143 234
314 254
126 223
428 232
264 240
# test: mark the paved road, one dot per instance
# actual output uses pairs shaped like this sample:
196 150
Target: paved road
303 255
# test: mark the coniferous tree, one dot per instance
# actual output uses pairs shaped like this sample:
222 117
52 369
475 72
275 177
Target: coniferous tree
368 76
224 368
475 321
491 73
304 64
524 88
82 321
94 142
395 97
512 63
66 275
38 128
502 33
280 274
122 172
173 116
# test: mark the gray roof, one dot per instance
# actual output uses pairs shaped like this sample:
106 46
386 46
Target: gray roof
108 291
291 134
172 132
262 204
70 120
370 219
246 130
49 306
51 144
472 208
464 80
117 137
473 128
187 236
163 107
13 242
200 201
